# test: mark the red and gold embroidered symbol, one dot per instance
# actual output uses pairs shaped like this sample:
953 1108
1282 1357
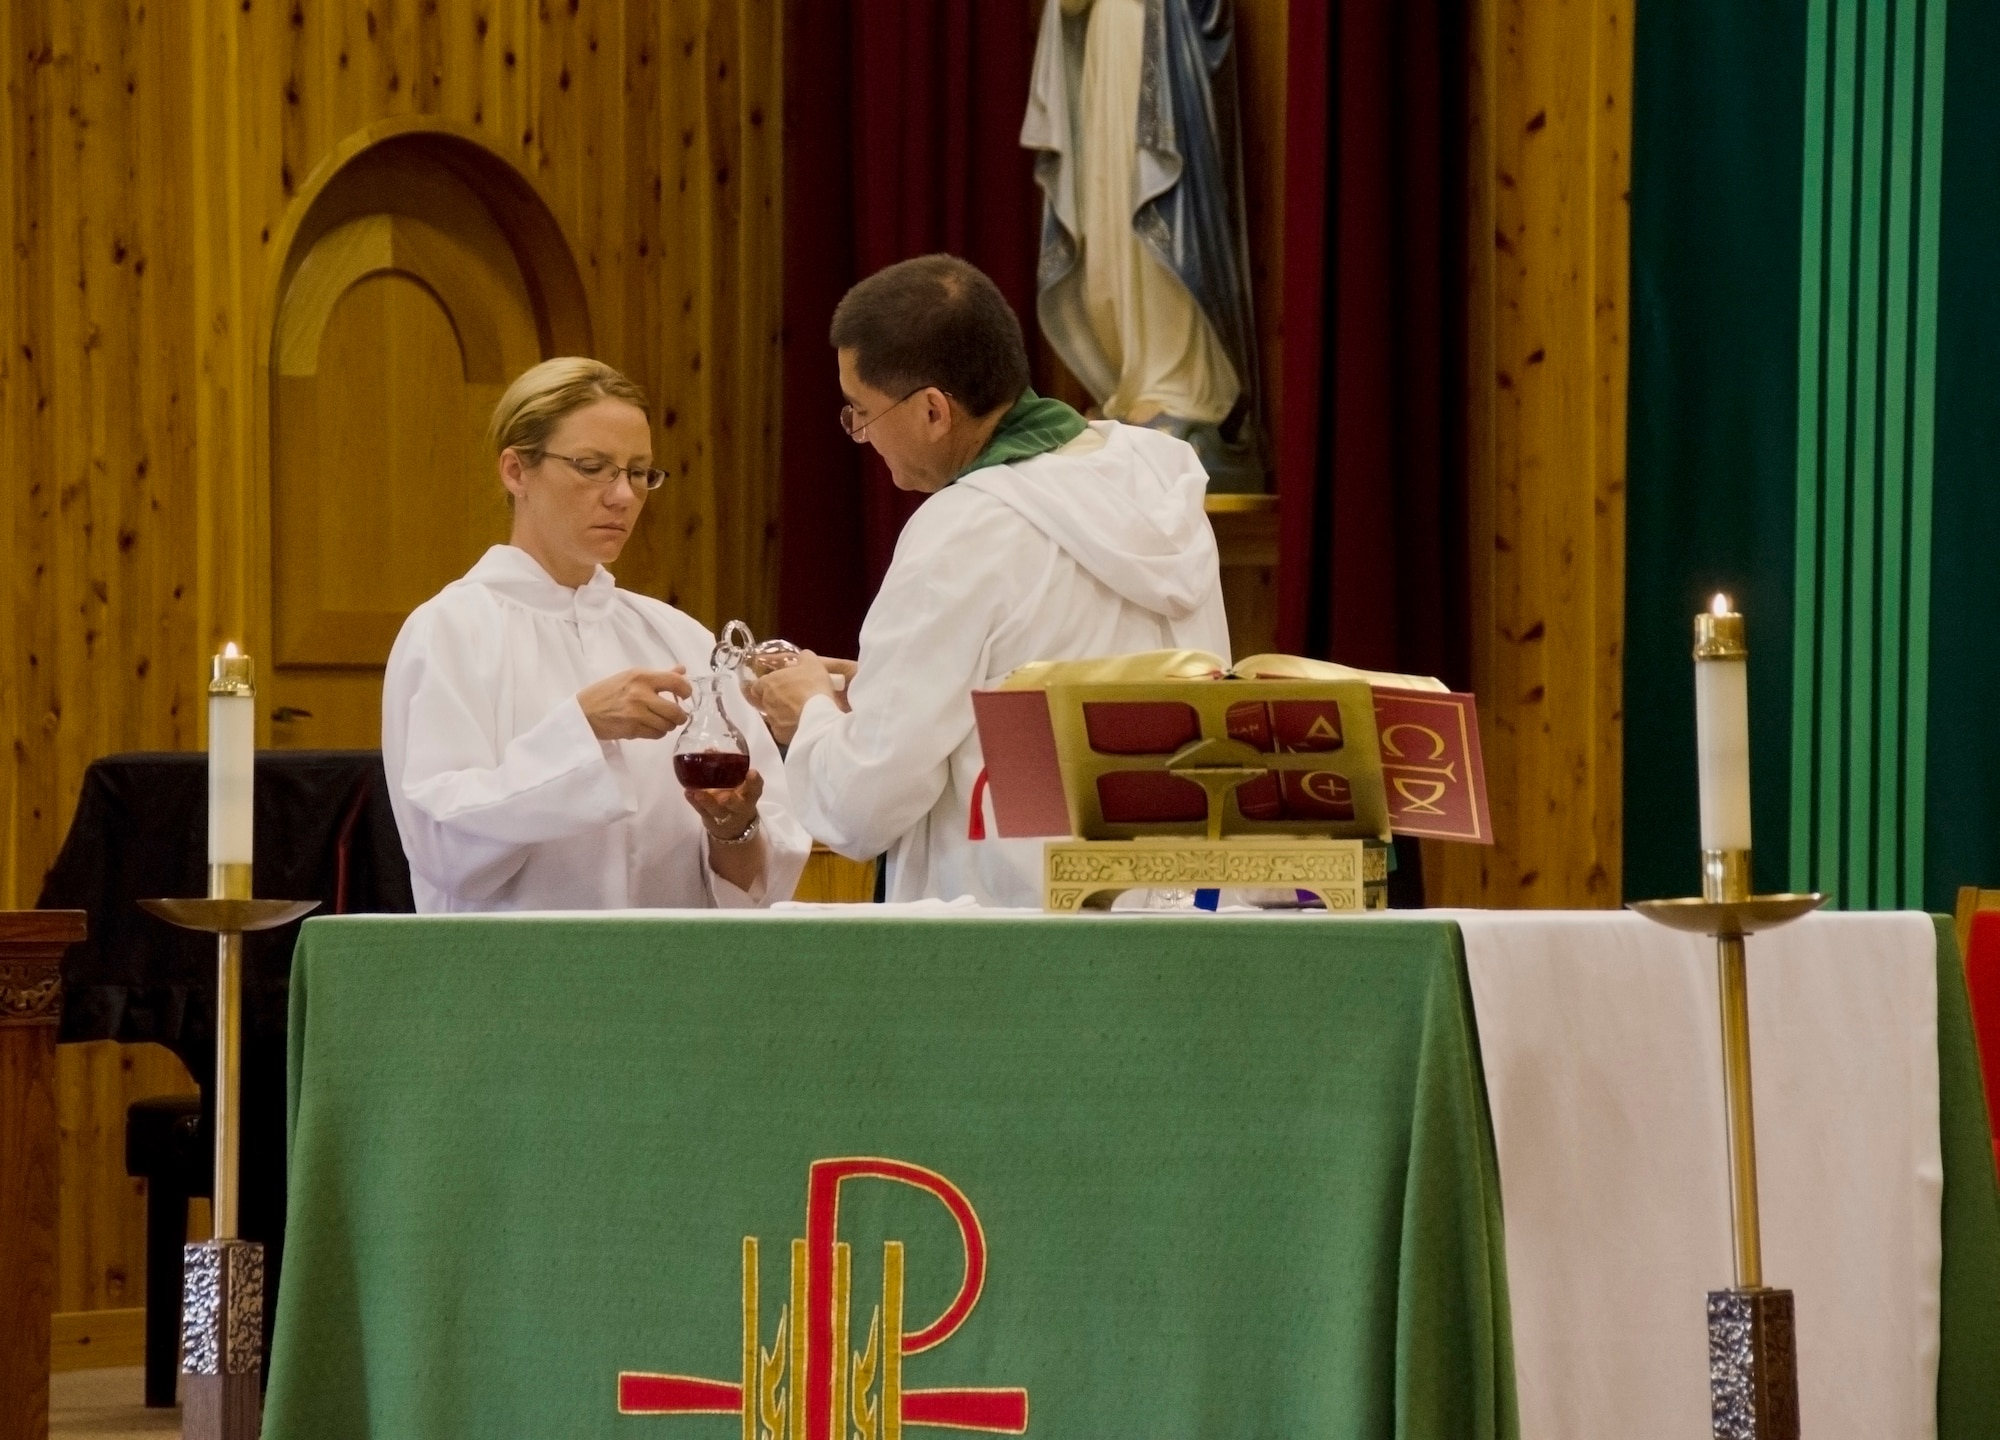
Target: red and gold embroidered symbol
811 1384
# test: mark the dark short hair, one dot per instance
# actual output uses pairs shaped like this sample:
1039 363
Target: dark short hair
935 320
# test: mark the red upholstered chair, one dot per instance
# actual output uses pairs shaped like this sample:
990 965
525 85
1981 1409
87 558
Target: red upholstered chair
1979 942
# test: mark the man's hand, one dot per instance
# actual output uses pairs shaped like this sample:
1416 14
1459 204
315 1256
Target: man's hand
783 693
633 704
726 814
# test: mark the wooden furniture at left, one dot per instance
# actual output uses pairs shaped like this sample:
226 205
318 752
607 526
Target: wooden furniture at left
31 949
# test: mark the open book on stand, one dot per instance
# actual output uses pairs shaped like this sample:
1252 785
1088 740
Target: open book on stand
1283 745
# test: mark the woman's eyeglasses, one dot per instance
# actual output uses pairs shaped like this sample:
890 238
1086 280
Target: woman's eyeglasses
603 472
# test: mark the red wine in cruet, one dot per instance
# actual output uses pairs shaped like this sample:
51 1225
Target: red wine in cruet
711 769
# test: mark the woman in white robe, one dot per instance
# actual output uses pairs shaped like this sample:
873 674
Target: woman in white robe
529 707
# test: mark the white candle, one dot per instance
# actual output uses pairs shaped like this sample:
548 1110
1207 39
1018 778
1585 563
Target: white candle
1722 726
232 751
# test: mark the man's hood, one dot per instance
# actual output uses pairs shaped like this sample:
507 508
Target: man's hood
1129 512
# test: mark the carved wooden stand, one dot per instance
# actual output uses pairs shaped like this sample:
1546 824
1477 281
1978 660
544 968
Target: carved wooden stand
1089 874
31 948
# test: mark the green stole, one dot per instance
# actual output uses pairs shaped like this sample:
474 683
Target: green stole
1034 426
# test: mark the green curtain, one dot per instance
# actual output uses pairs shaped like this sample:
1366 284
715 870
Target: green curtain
1815 356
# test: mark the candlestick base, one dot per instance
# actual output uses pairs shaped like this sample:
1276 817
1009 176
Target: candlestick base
1753 1365
222 1341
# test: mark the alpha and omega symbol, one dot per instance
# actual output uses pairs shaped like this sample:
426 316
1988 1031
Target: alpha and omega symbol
812 1384
1420 794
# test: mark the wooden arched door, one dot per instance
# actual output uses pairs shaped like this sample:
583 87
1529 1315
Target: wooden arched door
414 294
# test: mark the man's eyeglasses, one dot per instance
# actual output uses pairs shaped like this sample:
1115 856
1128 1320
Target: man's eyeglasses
857 428
602 472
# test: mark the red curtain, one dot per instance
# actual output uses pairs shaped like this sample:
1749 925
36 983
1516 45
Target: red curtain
1371 459
902 137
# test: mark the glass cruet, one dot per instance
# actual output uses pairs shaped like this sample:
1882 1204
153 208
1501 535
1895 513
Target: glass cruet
711 753
752 659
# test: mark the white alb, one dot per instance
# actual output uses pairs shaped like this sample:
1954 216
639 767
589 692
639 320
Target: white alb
505 797
1100 548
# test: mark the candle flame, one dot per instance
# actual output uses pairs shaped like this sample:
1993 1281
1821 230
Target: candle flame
230 652
1720 605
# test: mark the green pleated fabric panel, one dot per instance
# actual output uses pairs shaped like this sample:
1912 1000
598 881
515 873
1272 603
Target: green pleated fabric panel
1816 352
1871 138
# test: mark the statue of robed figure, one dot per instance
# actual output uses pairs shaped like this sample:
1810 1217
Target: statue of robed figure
1144 281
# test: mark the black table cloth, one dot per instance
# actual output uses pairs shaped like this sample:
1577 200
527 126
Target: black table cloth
324 831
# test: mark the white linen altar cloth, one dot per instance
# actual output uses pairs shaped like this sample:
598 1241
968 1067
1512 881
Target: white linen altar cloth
1603 1063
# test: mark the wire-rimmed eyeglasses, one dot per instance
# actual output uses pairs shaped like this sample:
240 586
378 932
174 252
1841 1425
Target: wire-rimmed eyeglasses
600 471
857 428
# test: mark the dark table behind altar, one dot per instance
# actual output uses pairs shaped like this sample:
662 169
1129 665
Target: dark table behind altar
324 832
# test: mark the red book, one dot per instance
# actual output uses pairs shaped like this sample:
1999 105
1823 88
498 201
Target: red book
1140 727
1020 744
1431 766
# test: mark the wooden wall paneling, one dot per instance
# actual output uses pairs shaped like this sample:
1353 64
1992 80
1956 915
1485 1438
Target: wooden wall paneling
646 284
572 136
154 159
150 230
759 319
95 651
1611 273
231 163
1548 226
18 133
162 690
678 550
100 1210
710 542
721 267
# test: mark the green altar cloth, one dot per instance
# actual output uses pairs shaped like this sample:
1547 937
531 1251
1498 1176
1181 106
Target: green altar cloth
1230 1178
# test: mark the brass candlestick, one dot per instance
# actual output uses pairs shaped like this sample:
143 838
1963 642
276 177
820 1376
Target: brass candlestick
1752 1351
222 1314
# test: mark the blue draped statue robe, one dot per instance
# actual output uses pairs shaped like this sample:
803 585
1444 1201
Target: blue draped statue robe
1140 96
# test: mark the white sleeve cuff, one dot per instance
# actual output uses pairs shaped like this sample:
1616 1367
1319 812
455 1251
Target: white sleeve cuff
726 895
819 714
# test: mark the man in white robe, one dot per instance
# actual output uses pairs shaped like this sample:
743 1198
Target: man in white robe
1045 538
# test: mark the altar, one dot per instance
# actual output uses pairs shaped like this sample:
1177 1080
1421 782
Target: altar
1205 1174
528 1155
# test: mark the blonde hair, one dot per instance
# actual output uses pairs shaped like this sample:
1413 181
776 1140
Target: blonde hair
537 401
